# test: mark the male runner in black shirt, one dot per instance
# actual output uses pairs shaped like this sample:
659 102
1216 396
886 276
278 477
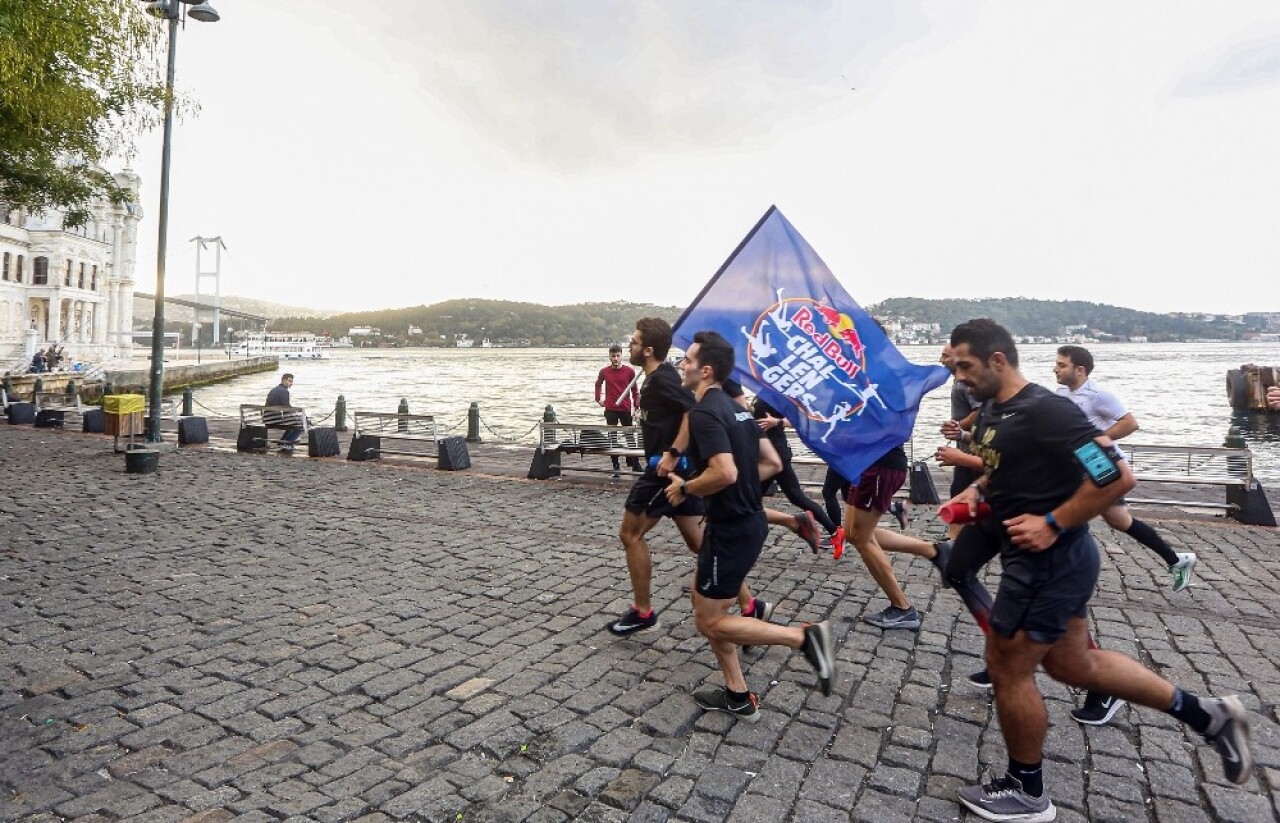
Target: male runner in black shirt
663 404
726 451
1035 446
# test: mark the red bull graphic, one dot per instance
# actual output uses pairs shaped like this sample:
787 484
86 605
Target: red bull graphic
820 364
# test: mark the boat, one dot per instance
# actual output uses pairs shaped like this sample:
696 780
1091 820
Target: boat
285 346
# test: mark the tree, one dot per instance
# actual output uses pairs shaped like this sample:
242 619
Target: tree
79 80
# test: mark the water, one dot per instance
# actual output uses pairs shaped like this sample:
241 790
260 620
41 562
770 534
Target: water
1176 390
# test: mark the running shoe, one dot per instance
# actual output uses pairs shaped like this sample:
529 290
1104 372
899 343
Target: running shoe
760 610
899 510
1004 799
820 650
1229 733
1182 570
980 679
631 622
807 528
837 543
1098 709
892 617
941 557
718 699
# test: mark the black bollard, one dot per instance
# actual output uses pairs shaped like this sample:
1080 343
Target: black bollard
8 387
70 390
187 400
473 423
108 389
548 416
404 409
36 388
340 414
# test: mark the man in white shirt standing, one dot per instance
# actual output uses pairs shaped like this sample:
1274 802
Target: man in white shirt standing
1106 411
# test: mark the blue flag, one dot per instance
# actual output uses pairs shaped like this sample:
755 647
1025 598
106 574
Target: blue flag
808 350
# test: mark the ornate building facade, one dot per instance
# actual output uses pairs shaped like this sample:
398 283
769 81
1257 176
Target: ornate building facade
73 287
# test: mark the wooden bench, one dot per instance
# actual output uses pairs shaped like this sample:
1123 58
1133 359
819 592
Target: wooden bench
371 428
269 418
558 439
1203 466
59 401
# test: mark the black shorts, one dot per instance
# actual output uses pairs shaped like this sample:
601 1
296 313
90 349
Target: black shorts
1041 591
648 497
961 479
729 550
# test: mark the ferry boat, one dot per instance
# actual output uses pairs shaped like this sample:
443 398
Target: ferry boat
285 346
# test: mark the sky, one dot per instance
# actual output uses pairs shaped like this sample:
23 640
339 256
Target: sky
395 153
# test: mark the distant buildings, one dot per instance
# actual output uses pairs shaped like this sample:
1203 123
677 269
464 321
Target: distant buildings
73 287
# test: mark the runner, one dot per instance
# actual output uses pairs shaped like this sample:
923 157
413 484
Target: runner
774 425
1035 446
1108 414
726 449
663 404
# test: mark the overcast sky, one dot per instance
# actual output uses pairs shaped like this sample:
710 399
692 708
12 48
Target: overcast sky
394 153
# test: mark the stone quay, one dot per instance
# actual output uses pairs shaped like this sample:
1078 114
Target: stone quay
264 637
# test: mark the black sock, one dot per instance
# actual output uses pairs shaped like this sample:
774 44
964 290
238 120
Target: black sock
1186 707
738 697
1029 775
1148 537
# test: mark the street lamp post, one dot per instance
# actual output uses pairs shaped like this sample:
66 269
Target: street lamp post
170 10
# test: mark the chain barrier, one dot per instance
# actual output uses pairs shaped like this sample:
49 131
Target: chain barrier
518 439
212 412
314 420
455 425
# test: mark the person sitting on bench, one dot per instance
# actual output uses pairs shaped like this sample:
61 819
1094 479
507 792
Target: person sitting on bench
279 396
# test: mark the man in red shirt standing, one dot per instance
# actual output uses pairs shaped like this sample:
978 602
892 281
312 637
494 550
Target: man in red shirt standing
617 391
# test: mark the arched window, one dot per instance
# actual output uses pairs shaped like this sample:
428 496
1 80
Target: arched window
82 275
93 283
40 271
66 278
6 265
17 274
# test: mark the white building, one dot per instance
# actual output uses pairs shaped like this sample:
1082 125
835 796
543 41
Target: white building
73 287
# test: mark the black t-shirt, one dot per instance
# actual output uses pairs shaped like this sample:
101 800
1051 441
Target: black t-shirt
895 458
717 425
663 402
778 434
1026 445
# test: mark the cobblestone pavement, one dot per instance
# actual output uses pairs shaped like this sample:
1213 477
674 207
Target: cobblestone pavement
262 638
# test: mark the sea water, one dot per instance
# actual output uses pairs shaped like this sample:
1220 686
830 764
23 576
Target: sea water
1177 391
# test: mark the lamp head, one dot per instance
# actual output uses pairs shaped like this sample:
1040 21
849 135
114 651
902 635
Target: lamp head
203 12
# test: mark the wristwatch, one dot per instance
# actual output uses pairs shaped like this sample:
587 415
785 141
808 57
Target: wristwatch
1053 523
674 452
683 484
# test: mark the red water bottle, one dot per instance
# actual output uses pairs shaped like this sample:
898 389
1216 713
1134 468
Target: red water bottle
959 512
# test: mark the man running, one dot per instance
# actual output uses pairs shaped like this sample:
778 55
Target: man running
1108 414
1035 446
726 449
663 404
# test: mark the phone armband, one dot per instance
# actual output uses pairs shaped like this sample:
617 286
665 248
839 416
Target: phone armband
1098 463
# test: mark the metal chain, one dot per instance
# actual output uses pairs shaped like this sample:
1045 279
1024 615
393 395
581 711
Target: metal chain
454 426
504 437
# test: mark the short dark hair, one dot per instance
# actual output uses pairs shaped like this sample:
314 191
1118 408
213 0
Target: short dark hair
716 352
655 333
286 376
1079 356
615 349
985 337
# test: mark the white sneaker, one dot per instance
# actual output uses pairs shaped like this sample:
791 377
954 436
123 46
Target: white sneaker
1182 570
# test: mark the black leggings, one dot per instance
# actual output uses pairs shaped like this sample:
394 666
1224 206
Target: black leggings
790 486
835 490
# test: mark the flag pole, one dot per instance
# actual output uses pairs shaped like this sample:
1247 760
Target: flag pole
724 266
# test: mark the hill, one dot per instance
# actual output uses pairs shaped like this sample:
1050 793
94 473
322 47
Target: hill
1057 319
502 322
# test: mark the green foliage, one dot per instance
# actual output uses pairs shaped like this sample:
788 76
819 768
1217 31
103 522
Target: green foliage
530 324
79 79
1049 318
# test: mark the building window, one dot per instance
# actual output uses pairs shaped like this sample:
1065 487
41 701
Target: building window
40 271
93 283
17 274
66 278
6 265
82 275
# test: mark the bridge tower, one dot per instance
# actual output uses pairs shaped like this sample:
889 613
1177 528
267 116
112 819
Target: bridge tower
202 244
